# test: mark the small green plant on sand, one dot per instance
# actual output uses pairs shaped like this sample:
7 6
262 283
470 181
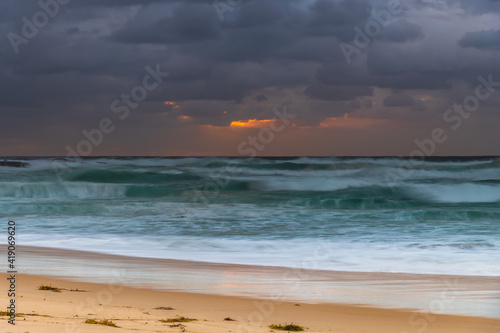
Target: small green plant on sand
102 322
287 327
177 320
53 289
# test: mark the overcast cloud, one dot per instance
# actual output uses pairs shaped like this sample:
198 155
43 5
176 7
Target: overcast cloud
260 55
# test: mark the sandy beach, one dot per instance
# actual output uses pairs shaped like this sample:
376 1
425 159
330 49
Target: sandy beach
134 309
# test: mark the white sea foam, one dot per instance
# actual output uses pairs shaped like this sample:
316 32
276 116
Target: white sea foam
457 193
63 190
309 184
396 256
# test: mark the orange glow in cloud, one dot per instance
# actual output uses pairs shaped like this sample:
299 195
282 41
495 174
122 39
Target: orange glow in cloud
425 98
252 123
347 122
172 104
184 117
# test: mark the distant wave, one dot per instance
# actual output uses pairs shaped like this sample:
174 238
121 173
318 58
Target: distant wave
348 183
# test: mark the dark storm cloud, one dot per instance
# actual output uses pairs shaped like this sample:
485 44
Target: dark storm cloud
402 31
399 99
483 40
261 98
329 18
337 93
279 37
477 6
94 50
202 25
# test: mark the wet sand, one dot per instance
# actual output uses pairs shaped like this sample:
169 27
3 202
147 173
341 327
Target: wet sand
127 290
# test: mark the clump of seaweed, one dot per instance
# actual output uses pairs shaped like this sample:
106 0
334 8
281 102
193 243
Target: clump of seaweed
287 327
177 320
8 314
104 322
53 289
77 290
164 308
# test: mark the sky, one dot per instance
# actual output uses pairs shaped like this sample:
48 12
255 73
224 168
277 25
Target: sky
250 77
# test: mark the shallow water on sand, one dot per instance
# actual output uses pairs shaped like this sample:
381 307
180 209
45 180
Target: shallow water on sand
423 294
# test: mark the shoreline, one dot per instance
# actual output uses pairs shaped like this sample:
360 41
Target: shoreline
423 293
134 309
70 253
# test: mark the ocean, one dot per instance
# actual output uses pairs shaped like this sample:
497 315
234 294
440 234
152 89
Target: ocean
438 216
